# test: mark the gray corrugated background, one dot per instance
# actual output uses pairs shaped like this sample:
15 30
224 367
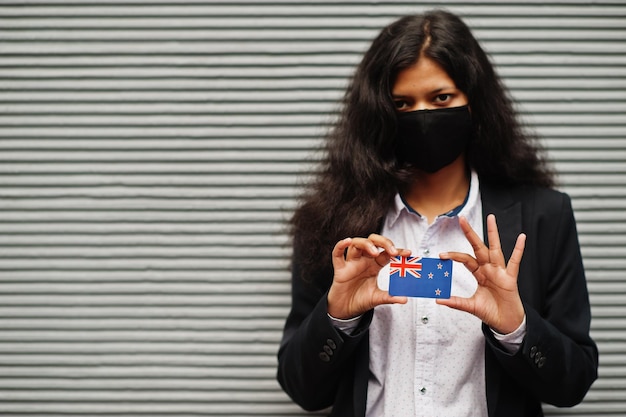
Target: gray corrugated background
151 151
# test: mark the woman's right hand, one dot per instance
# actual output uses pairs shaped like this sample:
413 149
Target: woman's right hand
356 262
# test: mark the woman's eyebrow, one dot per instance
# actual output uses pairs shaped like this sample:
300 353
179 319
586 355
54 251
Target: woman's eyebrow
436 90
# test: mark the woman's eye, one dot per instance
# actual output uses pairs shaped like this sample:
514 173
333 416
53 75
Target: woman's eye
442 98
400 104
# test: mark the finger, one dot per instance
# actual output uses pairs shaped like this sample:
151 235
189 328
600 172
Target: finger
360 246
383 258
457 303
353 252
480 250
466 259
469 262
383 242
339 252
374 245
395 299
516 257
496 257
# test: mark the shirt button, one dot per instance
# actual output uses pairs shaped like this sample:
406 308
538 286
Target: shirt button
423 390
426 251
425 319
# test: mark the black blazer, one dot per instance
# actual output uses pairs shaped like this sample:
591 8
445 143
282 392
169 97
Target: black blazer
319 366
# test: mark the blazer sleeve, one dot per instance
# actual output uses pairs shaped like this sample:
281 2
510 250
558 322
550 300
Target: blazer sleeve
314 356
558 360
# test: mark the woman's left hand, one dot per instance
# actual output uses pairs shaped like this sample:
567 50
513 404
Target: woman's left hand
496 301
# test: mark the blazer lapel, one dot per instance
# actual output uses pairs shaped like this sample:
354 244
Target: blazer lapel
508 212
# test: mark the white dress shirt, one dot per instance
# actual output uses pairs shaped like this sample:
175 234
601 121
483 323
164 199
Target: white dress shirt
427 359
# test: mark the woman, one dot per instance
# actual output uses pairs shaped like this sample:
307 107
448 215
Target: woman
427 153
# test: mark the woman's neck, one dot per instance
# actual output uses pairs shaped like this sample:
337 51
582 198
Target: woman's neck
434 194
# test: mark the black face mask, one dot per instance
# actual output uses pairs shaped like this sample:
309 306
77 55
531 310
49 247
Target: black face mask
431 139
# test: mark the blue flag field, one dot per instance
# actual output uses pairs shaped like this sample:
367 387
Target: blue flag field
414 276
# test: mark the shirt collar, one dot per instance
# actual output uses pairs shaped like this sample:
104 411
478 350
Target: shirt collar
399 205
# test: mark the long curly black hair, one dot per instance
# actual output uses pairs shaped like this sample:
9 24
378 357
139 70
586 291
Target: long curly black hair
359 175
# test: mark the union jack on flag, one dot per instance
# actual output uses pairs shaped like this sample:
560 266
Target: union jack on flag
406 265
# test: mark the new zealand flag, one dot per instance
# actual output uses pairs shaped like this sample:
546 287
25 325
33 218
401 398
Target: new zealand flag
420 277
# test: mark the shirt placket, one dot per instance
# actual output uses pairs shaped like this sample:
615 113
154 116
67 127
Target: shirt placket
426 335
